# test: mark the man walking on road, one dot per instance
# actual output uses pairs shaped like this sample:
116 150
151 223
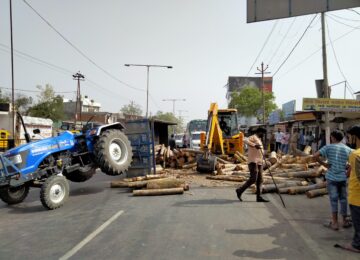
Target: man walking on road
255 163
337 155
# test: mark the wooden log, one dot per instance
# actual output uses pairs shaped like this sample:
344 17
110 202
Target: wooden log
227 178
316 193
165 183
223 161
156 192
273 158
303 167
299 190
191 159
137 184
301 174
307 149
243 157
271 187
162 151
184 150
189 166
119 184
318 180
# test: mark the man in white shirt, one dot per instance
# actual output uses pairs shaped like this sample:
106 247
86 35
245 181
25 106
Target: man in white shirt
278 138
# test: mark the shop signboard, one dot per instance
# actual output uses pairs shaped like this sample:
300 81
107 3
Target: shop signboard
331 105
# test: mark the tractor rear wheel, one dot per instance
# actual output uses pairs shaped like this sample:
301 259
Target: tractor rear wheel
80 175
54 192
14 195
113 152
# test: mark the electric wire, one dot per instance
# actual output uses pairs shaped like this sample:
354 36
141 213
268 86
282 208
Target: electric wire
79 51
313 53
297 43
262 48
282 41
337 61
57 68
343 18
348 25
37 91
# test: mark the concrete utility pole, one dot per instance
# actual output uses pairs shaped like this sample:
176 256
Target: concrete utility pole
147 80
325 82
174 100
12 74
79 77
262 72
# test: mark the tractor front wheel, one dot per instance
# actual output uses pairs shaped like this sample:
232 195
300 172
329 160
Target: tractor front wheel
113 152
54 192
14 195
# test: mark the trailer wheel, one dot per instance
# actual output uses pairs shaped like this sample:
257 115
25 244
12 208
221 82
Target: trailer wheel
80 175
54 192
113 152
14 195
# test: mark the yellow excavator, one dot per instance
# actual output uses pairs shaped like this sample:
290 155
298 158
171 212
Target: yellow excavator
222 137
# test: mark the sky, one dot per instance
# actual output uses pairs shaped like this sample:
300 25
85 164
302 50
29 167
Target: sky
205 41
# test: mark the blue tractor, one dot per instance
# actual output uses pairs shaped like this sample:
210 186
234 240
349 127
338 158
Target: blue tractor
49 163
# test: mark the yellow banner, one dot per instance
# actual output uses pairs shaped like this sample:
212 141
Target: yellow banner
333 105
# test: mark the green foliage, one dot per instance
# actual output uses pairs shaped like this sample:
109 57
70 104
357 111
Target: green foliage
22 102
132 109
169 117
249 102
49 105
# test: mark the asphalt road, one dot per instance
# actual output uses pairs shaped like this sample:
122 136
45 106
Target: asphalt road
205 223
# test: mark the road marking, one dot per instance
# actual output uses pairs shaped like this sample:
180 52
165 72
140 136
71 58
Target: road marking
312 245
76 248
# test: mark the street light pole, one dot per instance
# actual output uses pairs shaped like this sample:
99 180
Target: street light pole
174 100
12 74
147 79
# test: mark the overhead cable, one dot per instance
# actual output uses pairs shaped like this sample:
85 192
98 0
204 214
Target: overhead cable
297 43
79 51
282 40
262 48
336 59
316 51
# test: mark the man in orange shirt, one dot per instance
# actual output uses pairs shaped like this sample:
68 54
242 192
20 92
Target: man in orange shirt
354 189
255 163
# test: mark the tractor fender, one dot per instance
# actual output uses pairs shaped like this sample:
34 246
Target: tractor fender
103 128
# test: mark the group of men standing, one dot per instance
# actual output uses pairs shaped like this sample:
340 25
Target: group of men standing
342 176
289 143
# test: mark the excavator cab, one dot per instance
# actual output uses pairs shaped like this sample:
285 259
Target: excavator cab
221 137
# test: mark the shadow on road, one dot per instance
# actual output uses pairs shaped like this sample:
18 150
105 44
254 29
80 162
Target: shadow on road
23 209
207 202
280 249
85 191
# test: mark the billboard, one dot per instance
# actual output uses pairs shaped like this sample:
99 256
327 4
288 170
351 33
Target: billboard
274 117
289 109
238 83
261 10
332 105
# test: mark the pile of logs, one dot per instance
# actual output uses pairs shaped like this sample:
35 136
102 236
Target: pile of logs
292 174
152 185
176 158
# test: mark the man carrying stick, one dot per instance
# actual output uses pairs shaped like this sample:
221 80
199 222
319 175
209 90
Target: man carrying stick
255 163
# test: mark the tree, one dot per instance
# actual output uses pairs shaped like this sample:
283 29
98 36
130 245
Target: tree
22 102
49 105
169 117
248 102
132 109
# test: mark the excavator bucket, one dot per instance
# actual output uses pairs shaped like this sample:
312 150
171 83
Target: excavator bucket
206 164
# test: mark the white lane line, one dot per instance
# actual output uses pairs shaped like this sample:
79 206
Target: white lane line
312 245
76 248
